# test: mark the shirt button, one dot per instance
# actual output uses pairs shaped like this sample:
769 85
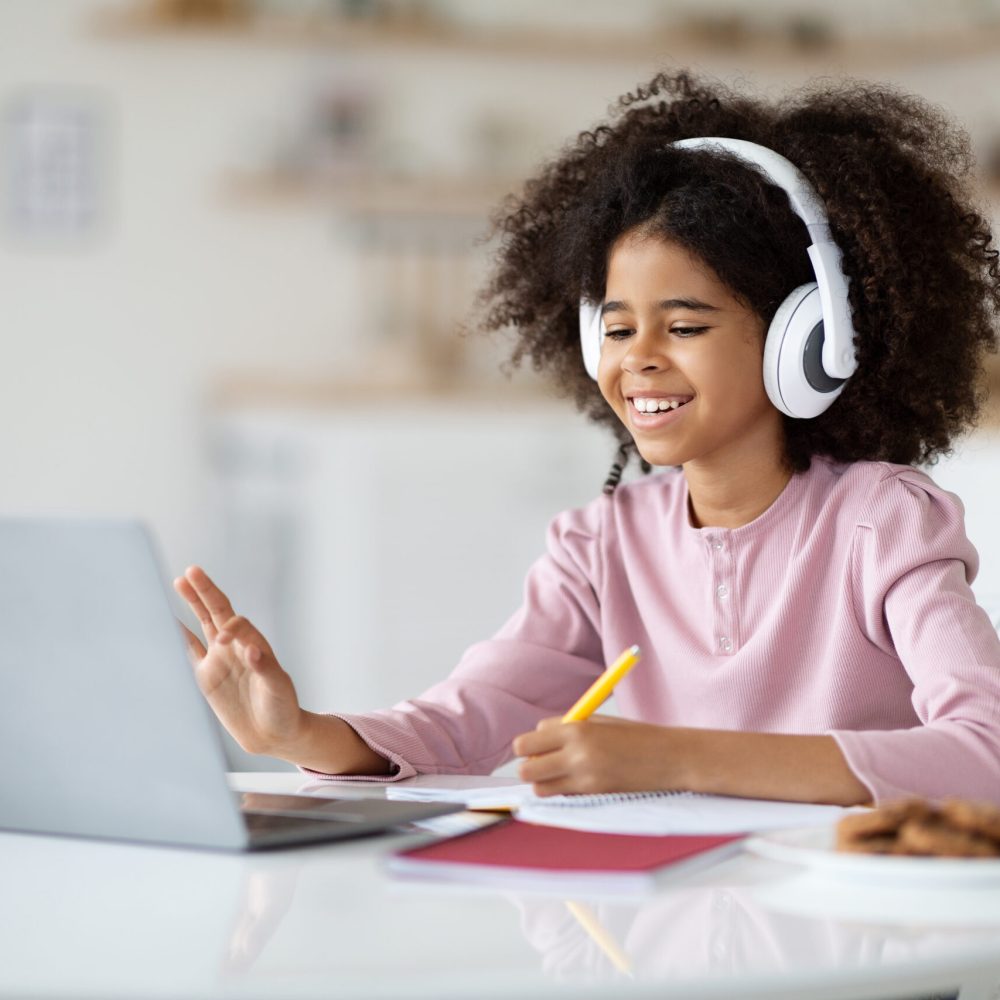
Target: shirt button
722 591
725 643
718 546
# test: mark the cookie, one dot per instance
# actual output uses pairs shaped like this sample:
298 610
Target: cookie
936 838
955 829
980 818
885 844
881 822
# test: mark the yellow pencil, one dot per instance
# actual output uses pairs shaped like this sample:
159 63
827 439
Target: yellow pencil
599 691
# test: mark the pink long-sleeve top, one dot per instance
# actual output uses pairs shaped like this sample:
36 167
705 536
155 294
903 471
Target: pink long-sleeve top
844 608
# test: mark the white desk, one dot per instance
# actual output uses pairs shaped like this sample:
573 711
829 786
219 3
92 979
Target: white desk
90 919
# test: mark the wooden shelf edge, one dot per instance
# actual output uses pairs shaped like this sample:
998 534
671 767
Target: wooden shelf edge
677 44
461 196
264 391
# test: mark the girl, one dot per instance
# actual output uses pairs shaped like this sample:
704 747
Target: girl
800 591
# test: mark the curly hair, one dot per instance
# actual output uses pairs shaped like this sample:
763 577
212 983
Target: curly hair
893 173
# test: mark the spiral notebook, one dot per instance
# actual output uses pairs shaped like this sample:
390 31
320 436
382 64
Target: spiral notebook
636 813
491 797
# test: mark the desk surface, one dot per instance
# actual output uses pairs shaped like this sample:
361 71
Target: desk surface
84 918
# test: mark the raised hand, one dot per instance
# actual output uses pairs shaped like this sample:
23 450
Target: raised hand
237 672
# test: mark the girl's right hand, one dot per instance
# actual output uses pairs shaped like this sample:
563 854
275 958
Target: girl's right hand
237 672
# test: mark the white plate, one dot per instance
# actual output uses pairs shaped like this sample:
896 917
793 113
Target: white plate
814 848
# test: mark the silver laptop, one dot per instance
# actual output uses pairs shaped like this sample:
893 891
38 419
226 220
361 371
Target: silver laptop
103 731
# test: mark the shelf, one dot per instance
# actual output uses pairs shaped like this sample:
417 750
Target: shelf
799 44
467 196
265 391
462 197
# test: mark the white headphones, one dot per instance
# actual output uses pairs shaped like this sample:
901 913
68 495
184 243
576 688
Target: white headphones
809 349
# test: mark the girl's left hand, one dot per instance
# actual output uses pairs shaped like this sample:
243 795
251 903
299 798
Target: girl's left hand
601 754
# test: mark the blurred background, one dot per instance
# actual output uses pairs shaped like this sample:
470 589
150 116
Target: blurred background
238 239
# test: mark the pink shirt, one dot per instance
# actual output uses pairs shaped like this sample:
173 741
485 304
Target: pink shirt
844 608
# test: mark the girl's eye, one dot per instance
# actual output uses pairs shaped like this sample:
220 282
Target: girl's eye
682 331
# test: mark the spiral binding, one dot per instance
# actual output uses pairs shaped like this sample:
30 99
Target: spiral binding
607 798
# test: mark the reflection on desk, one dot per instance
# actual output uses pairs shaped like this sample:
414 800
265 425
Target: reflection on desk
706 932
143 921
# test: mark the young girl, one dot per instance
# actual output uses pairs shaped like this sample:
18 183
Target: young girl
800 592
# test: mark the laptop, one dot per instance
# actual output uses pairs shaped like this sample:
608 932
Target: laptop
103 730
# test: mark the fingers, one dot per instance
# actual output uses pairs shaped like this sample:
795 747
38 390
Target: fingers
246 647
555 758
564 785
542 750
250 653
548 767
196 651
183 587
214 601
249 643
549 735
219 623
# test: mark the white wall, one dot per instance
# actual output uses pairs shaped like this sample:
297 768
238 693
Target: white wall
111 348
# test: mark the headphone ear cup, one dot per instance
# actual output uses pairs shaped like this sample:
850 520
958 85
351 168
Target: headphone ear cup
794 378
591 337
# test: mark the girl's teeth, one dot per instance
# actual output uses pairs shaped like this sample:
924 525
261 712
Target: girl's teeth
655 405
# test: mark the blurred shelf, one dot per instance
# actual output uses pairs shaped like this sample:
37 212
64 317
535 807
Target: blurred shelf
266 391
803 42
464 197
468 196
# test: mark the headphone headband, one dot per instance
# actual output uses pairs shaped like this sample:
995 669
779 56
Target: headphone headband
838 341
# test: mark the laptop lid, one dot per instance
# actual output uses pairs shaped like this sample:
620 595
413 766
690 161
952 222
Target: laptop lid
103 731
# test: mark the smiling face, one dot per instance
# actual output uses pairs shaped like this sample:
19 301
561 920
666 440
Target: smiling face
681 363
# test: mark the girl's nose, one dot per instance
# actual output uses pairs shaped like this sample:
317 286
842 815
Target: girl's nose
646 352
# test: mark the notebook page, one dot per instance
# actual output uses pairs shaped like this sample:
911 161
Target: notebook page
684 813
485 797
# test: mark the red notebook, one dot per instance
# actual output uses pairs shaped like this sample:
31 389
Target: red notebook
524 855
